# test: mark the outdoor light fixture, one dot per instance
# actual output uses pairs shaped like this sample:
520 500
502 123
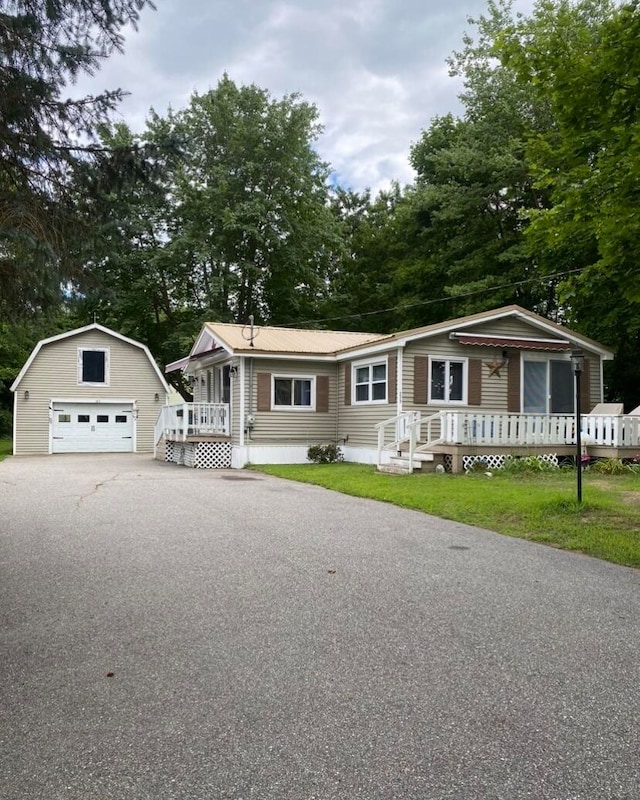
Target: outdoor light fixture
157 397
577 362
26 394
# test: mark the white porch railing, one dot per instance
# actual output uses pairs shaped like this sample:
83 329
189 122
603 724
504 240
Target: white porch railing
508 430
193 419
392 432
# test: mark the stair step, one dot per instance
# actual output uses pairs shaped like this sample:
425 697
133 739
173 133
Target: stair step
393 469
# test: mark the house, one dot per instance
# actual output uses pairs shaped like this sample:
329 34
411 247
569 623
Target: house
485 385
90 390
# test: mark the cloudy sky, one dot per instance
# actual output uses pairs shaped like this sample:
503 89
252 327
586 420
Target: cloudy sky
374 68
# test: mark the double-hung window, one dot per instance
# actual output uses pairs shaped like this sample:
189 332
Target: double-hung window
447 380
370 382
93 366
292 392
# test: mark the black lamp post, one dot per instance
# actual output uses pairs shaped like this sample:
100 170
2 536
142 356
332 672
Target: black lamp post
577 362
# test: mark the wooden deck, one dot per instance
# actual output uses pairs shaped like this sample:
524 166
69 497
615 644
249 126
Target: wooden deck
454 435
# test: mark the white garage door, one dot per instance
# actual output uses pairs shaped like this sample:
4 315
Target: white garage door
92 428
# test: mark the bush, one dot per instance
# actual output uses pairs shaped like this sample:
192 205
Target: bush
613 466
527 464
324 453
6 423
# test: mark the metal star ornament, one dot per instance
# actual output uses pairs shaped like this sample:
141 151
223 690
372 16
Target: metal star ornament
495 366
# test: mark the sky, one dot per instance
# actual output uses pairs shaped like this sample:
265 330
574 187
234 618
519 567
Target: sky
375 69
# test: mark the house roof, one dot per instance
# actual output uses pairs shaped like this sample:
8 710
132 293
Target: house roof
93 327
237 338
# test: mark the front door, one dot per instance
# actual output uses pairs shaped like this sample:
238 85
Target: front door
547 387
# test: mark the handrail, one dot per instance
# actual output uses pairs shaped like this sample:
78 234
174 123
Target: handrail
401 424
192 419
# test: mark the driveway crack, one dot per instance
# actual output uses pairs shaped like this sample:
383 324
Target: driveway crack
93 491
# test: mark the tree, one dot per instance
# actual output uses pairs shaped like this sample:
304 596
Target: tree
583 59
45 135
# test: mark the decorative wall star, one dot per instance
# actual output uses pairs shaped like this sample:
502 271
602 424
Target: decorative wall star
495 366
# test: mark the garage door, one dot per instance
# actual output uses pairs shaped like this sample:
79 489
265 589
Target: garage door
92 428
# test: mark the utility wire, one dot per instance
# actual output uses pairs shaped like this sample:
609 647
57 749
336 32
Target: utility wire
404 306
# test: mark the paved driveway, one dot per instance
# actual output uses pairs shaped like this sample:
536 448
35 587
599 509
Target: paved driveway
175 633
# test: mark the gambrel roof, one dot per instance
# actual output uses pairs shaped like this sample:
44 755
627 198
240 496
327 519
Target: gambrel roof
93 327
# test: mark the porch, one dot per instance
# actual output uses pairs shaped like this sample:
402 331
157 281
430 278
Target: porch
180 423
194 434
412 440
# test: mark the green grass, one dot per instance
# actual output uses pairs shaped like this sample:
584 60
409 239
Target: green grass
6 448
539 507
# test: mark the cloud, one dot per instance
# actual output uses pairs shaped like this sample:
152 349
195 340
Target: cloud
374 68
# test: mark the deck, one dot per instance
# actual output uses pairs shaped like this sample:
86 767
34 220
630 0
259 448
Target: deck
193 422
461 433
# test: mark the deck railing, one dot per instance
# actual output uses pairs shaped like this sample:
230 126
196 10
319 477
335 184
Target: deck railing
506 430
193 419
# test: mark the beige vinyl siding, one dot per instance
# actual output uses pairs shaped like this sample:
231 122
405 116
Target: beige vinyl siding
510 327
54 374
493 389
357 421
291 426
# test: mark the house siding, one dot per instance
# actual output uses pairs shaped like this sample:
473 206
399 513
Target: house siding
295 426
54 374
356 422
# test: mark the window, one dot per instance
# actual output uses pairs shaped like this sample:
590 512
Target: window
292 392
83 418
64 417
121 418
370 383
102 418
93 366
447 381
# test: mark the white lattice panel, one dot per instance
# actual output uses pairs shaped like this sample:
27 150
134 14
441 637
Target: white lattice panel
213 455
494 461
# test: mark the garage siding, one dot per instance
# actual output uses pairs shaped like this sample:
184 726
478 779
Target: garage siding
54 374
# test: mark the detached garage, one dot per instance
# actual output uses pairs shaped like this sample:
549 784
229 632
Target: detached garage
90 390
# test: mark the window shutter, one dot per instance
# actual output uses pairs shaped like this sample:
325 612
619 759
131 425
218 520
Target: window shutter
264 391
322 393
347 383
474 392
392 368
420 365
513 383
585 387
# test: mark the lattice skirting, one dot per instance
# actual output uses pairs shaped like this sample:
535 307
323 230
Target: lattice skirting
495 461
201 455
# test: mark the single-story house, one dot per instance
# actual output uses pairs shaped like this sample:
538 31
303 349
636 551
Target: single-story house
487 384
90 390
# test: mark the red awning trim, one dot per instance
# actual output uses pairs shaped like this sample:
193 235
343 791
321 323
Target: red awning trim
506 342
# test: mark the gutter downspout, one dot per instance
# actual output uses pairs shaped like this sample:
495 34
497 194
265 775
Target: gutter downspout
242 400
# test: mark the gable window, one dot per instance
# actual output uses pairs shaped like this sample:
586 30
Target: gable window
292 392
93 366
447 380
370 383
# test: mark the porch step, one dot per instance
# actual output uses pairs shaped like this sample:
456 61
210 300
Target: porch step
394 469
399 465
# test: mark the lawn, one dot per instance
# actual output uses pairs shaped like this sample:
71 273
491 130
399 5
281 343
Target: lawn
6 448
541 507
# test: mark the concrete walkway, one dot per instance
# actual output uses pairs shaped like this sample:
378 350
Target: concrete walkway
176 633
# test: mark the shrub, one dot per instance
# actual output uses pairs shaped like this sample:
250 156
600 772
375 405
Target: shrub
6 422
612 466
324 453
517 466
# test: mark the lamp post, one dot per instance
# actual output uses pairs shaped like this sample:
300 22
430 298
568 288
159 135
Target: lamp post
577 362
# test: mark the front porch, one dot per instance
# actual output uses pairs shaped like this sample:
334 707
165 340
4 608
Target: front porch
194 434
453 436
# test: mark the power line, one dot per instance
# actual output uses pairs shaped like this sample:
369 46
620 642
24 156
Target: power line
404 306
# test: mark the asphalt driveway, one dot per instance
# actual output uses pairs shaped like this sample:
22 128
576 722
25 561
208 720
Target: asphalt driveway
175 633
